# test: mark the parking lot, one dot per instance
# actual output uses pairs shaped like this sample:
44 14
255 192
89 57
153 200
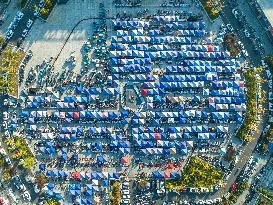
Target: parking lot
46 40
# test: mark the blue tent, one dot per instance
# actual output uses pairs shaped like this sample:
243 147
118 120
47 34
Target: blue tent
116 175
101 159
95 188
89 192
58 197
155 174
49 173
74 157
105 182
24 113
94 175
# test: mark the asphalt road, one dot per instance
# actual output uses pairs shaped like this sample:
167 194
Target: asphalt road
255 59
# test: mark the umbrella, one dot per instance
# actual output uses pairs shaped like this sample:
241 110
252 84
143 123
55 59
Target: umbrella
42 167
50 186
58 197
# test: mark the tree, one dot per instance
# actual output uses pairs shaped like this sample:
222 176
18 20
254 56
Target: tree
48 3
115 195
7 173
41 180
143 184
27 162
44 11
269 61
1 40
209 4
52 201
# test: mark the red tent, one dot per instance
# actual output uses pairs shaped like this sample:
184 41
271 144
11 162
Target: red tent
210 48
124 160
170 166
144 91
166 175
157 136
76 175
76 115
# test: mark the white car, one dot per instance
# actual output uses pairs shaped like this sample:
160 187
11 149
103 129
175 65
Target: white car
230 28
125 196
26 196
19 15
5 115
218 200
29 23
5 125
247 34
235 12
7 160
125 201
125 192
22 187
9 34
3 152
245 53
25 32
36 189
36 12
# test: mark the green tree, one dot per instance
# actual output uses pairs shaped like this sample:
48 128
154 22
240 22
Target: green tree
44 11
27 162
269 61
49 3
41 180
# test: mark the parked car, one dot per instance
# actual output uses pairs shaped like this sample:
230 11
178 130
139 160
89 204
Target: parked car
247 34
9 34
26 196
29 23
19 15
5 115
230 28
127 192
25 32
236 13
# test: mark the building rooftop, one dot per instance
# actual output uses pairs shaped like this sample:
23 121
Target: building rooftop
267 7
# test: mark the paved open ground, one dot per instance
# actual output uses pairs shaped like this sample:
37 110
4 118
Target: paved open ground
47 38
